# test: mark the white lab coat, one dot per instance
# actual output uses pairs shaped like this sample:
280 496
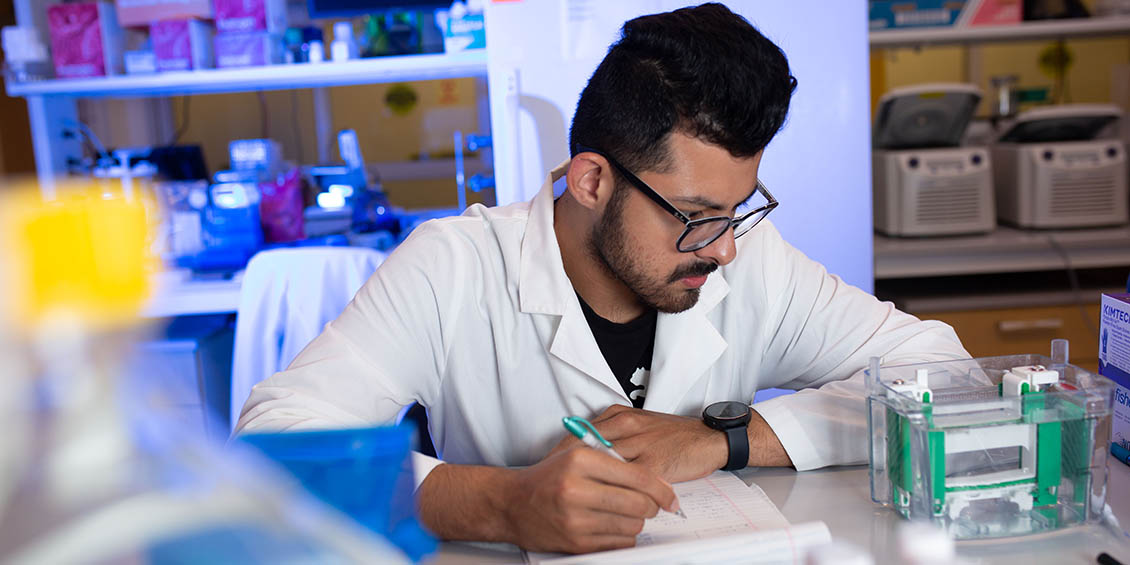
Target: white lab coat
286 298
475 318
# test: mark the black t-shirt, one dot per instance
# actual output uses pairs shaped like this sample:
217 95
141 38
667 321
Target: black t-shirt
627 348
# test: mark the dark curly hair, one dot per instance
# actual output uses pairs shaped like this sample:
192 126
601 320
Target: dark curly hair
704 71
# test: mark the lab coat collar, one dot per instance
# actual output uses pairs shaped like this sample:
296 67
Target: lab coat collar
686 344
543 286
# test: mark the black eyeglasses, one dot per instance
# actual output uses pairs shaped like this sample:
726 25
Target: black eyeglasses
703 231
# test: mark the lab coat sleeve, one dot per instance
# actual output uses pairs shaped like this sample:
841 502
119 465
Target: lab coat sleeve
819 334
386 350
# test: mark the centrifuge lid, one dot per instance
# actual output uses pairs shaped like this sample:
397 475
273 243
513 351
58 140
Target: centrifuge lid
1071 122
925 115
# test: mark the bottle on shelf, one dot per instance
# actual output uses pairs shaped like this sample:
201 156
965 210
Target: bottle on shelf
344 46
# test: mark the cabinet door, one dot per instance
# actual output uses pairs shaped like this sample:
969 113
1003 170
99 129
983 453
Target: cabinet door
1008 331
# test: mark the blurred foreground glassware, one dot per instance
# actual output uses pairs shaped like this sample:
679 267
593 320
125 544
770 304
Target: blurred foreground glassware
89 472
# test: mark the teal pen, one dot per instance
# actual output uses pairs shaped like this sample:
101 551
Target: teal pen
585 432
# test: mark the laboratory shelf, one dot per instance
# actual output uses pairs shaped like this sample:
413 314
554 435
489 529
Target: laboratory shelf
1005 250
272 77
176 293
1050 29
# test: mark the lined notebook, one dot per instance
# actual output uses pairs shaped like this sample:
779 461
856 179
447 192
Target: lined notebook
726 520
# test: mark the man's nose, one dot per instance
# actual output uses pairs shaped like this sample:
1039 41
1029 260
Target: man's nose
721 251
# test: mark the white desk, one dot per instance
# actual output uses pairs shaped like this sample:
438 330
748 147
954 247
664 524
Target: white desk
841 498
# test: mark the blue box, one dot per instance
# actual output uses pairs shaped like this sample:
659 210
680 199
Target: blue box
1114 364
366 473
893 14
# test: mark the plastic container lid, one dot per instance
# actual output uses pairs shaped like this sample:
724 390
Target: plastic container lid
926 115
1070 122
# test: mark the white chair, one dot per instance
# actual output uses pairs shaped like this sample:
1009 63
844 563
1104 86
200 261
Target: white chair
287 297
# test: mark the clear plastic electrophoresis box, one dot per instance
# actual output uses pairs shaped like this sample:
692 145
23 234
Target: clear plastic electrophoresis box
991 447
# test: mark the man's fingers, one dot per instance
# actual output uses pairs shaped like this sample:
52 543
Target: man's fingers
610 412
602 523
634 477
625 423
566 443
618 500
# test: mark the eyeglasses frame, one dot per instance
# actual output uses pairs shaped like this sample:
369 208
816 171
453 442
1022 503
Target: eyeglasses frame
688 224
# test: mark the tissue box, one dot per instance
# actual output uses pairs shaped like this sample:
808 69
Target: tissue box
181 45
247 49
145 12
86 40
1114 361
241 16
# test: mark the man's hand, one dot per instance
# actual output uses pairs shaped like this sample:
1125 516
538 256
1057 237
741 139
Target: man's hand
582 500
575 501
676 448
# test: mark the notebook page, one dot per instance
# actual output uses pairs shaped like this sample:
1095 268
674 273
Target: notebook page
716 505
725 518
784 546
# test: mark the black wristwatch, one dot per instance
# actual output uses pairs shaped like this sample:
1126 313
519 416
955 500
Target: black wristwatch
731 418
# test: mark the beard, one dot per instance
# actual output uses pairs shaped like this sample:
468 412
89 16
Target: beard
608 244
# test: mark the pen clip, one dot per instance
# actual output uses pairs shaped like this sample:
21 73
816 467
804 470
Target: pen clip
578 425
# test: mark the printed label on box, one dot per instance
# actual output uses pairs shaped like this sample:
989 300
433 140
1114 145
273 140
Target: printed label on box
250 15
76 40
247 49
1114 360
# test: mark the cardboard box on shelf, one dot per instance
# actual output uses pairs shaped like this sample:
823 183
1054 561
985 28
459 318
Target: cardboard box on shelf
86 40
1114 361
181 45
133 13
243 16
899 14
247 49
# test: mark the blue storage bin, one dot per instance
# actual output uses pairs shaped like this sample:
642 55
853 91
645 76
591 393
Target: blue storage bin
366 473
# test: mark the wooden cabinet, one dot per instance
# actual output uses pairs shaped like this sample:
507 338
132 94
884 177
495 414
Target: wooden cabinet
1005 331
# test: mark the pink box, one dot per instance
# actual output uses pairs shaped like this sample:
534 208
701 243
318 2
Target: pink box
250 15
247 49
85 39
181 45
145 12
994 12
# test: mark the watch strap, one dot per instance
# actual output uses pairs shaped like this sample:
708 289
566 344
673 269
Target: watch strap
738 438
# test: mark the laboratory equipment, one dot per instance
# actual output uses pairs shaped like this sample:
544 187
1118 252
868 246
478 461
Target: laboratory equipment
1062 167
347 192
990 447
1005 96
477 182
925 183
92 471
130 167
255 154
25 55
230 228
1114 364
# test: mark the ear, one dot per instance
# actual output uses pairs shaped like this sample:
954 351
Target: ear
590 180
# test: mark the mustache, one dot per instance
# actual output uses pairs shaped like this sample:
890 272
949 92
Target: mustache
692 270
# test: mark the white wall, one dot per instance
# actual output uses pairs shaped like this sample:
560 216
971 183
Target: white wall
819 166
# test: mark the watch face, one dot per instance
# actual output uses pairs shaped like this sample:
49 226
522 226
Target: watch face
727 410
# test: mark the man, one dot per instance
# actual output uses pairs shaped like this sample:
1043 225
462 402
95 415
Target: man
648 291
